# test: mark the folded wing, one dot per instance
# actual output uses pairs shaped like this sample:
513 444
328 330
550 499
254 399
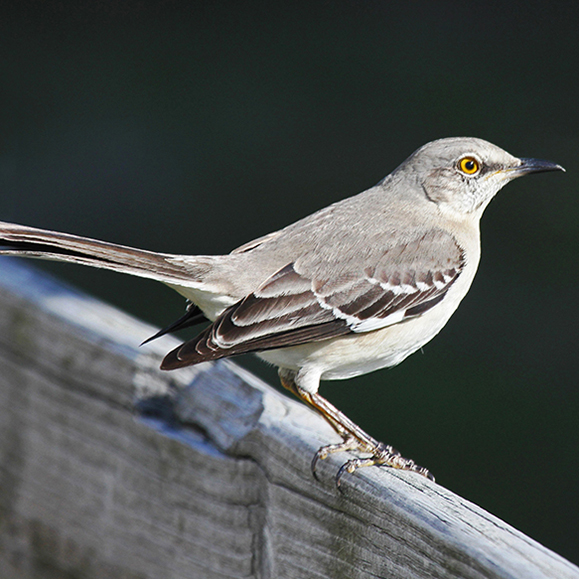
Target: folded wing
296 307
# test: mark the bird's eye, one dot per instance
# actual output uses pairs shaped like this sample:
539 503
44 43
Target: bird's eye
469 165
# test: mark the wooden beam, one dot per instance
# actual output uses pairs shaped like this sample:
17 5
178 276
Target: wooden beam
111 468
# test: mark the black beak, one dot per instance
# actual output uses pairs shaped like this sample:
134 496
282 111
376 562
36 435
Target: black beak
536 166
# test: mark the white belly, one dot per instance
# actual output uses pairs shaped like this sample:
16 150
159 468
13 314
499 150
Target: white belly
356 354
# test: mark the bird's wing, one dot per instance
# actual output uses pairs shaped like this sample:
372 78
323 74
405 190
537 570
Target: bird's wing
296 307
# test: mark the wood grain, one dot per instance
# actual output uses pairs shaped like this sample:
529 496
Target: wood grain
110 468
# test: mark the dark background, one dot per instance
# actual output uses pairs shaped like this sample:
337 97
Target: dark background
194 128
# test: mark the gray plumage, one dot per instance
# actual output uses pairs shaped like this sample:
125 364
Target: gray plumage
354 287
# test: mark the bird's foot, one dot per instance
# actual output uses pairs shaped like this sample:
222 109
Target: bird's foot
381 455
384 455
353 438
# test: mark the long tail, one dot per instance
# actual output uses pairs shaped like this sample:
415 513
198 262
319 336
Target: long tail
176 270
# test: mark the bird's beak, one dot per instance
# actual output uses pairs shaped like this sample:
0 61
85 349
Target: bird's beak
525 167
533 166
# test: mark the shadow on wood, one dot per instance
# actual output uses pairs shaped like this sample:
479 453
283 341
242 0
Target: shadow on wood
110 468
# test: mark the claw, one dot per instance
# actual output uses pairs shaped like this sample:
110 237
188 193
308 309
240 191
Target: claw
424 472
349 443
346 467
320 455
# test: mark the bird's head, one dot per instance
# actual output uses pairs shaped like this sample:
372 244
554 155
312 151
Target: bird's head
462 174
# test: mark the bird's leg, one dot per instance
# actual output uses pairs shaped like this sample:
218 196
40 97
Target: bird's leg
348 443
354 438
291 385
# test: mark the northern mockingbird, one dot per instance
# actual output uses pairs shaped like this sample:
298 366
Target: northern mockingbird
357 286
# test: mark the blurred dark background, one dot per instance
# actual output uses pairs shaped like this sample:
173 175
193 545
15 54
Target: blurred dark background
194 128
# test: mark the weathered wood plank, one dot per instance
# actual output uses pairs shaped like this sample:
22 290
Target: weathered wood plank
215 485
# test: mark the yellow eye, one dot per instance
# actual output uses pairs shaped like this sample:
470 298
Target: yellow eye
469 165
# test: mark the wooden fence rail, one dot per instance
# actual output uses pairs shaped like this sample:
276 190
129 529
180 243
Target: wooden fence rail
110 468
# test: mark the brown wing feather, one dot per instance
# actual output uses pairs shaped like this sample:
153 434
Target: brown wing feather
290 309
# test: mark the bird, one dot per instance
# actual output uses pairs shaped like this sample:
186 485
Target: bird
352 288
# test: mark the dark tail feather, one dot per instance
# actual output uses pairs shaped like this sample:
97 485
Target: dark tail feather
26 241
192 317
